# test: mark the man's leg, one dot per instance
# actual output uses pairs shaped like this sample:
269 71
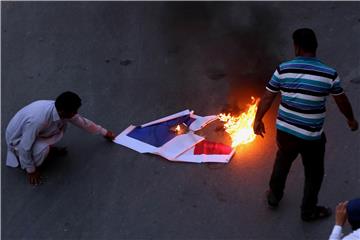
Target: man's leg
313 160
286 154
40 156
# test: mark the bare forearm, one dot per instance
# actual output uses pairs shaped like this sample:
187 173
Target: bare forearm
344 106
264 105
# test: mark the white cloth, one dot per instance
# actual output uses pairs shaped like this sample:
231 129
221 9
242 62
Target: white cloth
39 158
34 128
337 234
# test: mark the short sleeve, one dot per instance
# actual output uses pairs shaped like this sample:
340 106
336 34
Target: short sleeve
274 84
336 88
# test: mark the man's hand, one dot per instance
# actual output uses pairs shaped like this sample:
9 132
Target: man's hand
259 128
34 178
341 215
345 107
110 136
264 105
353 124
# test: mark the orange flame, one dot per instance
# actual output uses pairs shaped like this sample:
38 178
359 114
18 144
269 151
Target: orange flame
240 128
177 129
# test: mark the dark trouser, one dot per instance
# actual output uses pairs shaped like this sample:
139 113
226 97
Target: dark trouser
312 154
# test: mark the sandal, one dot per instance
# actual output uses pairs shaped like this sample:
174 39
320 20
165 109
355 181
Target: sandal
320 212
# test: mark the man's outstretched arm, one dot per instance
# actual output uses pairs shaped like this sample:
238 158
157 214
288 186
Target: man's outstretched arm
345 108
91 127
264 105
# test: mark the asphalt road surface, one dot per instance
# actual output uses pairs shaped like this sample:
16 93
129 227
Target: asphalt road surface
133 62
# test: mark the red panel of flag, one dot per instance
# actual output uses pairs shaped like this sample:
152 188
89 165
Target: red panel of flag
206 147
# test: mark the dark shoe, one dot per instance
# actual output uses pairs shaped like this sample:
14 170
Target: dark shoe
58 151
320 212
272 201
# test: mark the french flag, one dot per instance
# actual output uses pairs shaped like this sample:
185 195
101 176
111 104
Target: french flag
157 137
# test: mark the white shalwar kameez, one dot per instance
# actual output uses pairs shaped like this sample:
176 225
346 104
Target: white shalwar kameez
36 127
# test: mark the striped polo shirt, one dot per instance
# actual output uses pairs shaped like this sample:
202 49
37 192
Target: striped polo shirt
304 83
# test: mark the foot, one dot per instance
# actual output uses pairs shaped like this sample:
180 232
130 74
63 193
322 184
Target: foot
320 212
58 151
272 201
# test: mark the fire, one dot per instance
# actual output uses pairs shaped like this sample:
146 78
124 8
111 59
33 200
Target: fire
240 128
177 129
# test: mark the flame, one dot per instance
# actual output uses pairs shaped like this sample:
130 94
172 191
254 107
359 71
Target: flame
177 129
240 128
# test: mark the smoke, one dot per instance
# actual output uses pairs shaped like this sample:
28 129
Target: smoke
253 58
236 43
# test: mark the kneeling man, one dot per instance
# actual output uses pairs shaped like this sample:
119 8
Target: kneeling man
33 130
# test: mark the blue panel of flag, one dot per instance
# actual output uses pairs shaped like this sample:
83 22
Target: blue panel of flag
160 133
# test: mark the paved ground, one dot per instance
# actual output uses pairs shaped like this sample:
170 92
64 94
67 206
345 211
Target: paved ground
133 62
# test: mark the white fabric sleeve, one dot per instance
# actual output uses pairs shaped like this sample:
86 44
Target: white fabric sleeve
25 146
353 236
87 125
336 233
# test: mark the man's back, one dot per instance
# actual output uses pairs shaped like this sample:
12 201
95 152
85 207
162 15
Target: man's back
304 83
38 112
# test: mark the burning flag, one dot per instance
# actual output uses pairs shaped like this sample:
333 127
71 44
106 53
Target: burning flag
240 128
174 138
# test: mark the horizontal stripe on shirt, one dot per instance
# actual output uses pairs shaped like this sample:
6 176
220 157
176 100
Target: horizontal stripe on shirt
305 86
272 87
303 107
307 67
298 133
303 115
302 119
304 80
310 72
300 130
309 60
304 91
308 77
299 124
270 90
306 102
303 96
302 110
304 83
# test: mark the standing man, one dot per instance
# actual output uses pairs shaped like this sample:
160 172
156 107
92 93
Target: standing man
33 130
304 83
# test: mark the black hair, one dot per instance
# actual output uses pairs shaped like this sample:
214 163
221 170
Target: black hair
68 102
305 38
